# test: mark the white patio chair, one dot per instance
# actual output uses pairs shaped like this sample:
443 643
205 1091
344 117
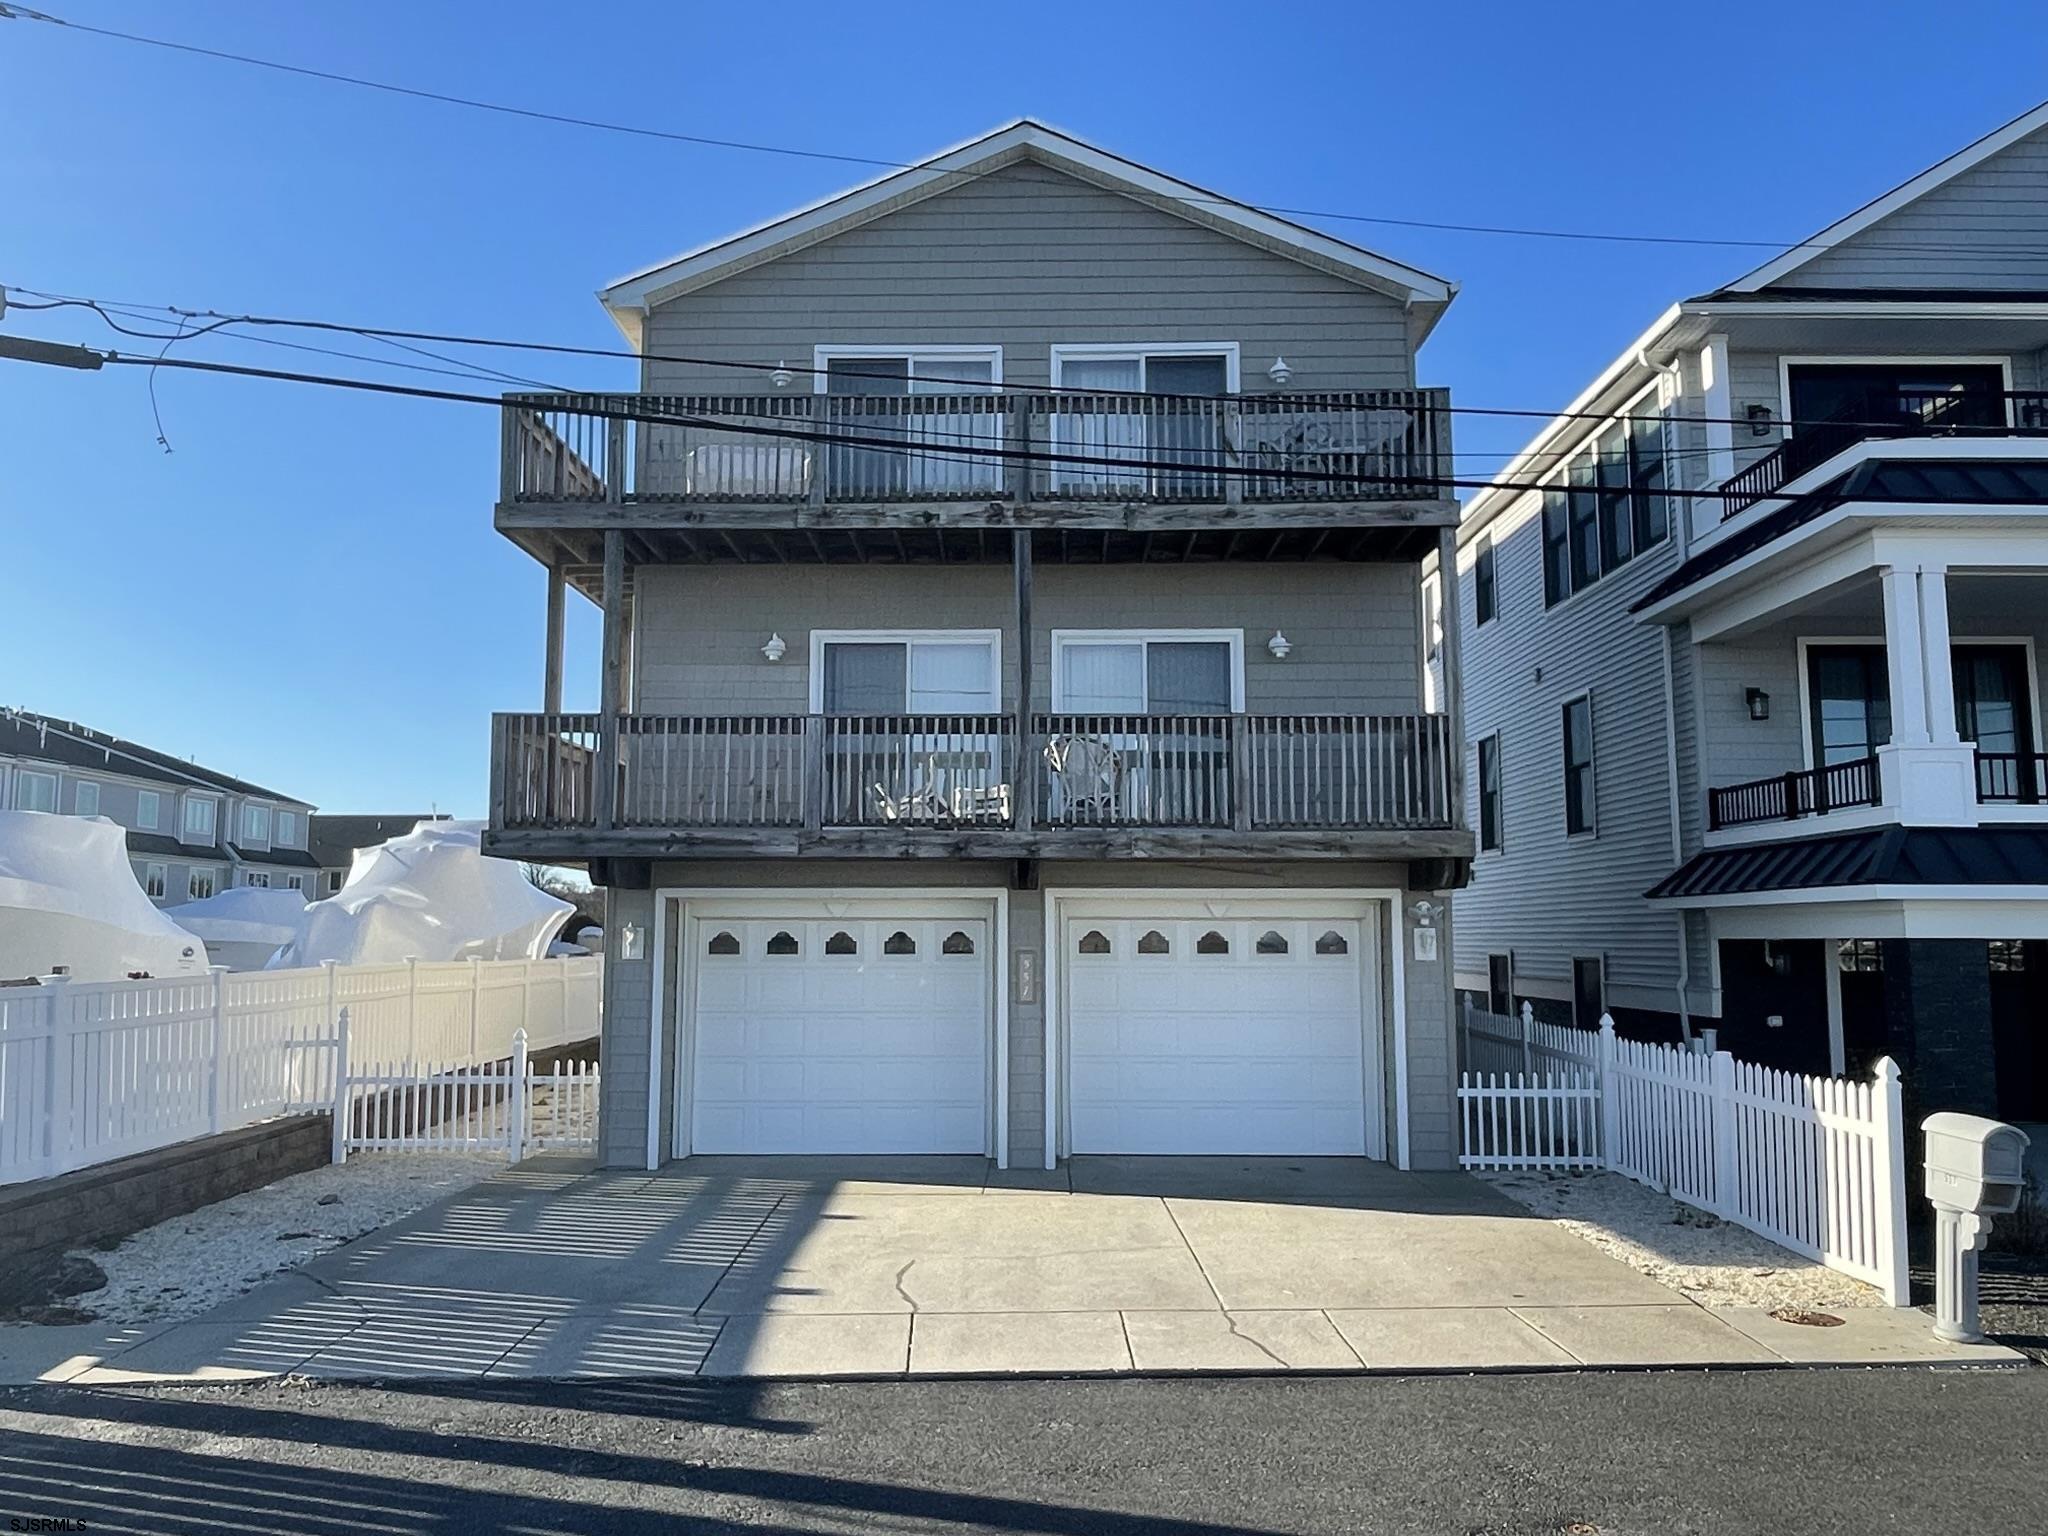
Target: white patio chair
1088 776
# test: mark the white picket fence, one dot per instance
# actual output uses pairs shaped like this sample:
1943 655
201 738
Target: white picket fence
1815 1164
507 1106
1500 1042
92 1071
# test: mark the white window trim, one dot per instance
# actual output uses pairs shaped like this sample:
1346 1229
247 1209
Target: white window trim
821 356
1479 795
184 832
161 875
992 638
1234 638
22 776
255 839
78 788
155 801
1807 642
278 838
212 874
1786 363
1592 827
295 883
332 880
1137 351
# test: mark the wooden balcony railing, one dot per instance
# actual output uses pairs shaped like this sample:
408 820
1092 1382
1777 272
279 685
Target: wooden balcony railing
1340 445
961 772
1887 415
1789 796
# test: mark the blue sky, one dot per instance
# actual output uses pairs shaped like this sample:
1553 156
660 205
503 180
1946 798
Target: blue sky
307 590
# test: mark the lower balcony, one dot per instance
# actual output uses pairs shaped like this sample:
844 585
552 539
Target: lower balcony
952 786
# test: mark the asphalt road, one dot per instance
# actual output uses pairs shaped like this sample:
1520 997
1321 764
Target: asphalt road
1849 1451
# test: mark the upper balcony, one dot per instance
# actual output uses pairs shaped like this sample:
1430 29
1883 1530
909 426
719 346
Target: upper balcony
1885 414
987 459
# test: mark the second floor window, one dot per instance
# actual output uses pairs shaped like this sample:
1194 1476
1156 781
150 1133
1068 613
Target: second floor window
287 828
198 826
333 881
1579 809
1489 792
884 674
1484 598
1609 505
85 798
255 823
148 809
1113 673
35 791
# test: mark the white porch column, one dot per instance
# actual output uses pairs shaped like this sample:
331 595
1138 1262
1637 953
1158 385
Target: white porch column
1926 774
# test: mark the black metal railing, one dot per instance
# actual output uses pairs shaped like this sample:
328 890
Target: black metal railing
1789 796
2012 778
1887 415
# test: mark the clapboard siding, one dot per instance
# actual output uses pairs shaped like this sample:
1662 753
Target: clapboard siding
1025 258
1986 228
698 632
1546 897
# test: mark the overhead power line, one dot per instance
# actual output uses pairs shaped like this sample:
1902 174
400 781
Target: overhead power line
706 141
385 333
27 350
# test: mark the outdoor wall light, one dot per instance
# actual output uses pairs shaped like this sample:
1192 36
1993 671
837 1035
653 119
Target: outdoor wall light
1279 645
1280 373
1759 703
775 647
1759 421
781 378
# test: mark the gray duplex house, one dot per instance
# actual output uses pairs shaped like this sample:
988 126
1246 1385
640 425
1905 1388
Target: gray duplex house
192 831
1015 732
1752 694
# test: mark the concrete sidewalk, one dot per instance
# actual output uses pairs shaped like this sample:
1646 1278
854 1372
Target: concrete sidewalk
757 1267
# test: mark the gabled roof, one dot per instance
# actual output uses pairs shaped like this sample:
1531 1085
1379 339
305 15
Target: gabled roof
1883 207
23 733
1025 139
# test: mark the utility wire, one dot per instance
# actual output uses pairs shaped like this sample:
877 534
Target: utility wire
898 446
367 332
565 119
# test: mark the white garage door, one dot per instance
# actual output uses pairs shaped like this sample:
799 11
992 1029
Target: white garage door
842 1033
1246 1036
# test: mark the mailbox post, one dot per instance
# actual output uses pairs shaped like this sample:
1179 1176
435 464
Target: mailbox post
1974 1168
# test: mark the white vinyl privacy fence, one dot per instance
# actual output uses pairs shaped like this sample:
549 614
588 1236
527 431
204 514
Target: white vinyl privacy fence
1816 1164
92 1071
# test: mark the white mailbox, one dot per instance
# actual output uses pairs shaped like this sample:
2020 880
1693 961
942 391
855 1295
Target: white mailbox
1974 1164
1975 1170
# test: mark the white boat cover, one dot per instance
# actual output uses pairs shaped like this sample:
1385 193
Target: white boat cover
69 897
245 926
429 895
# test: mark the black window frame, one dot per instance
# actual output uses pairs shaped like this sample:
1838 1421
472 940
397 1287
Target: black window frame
1581 794
1557 567
1485 591
1491 827
1582 516
1649 496
1611 479
1500 984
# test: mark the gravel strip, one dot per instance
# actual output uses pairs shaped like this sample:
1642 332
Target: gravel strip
179 1268
1711 1261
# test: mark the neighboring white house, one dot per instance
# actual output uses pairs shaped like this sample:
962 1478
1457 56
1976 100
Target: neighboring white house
192 831
1753 712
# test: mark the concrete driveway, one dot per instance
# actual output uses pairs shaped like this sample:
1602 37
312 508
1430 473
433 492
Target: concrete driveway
939 1266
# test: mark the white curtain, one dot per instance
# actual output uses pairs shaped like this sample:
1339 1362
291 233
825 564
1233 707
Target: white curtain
1113 430
1102 678
951 679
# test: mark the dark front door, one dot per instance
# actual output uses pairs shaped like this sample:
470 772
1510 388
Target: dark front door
1994 709
1589 992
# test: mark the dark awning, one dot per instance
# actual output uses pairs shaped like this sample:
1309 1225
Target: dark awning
1880 856
1965 482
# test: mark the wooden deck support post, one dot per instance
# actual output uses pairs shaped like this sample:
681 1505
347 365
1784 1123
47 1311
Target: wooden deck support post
1024 812
611 690
551 681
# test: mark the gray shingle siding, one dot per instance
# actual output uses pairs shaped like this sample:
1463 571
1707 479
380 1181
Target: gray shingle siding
1353 626
1026 258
